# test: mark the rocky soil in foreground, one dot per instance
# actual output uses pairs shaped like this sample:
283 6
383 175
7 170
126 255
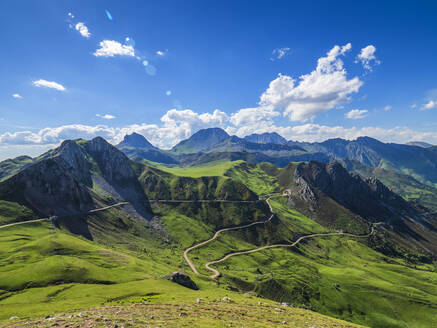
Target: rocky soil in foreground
222 313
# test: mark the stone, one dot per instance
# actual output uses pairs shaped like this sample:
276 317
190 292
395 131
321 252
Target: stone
183 280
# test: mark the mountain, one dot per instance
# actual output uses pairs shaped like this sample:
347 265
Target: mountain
215 139
202 140
267 137
13 165
135 140
418 162
402 184
215 144
324 190
419 144
74 178
128 251
138 148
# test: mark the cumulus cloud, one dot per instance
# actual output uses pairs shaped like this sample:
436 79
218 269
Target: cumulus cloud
55 135
367 57
321 90
111 48
83 30
171 132
247 120
356 114
387 108
17 96
49 84
430 105
278 53
106 116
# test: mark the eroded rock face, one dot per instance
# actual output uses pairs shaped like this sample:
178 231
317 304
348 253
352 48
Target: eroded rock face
183 280
113 164
50 189
62 181
71 156
366 197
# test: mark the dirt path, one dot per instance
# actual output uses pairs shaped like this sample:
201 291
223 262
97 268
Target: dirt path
217 273
47 219
187 259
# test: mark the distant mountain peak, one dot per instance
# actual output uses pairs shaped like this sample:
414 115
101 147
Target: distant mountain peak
266 137
136 140
368 140
419 144
202 140
211 132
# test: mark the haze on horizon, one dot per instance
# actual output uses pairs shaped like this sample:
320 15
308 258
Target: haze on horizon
165 70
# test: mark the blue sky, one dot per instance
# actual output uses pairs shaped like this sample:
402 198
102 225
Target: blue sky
233 64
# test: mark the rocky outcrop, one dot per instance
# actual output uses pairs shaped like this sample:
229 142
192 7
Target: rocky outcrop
61 181
367 197
73 157
135 140
48 188
184 280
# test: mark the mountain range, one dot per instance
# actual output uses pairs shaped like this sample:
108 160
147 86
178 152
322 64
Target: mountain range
380 195
414 163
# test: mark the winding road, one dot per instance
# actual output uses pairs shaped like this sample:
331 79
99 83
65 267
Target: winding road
218 232
216 273
47 219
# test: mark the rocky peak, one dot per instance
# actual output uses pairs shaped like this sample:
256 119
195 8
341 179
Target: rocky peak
136 140
49 188
73 157
202 140
215 134
114 165
367 197
267 137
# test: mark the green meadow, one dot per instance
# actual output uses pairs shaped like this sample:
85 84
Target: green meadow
51 271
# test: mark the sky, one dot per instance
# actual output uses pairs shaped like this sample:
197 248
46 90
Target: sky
309 70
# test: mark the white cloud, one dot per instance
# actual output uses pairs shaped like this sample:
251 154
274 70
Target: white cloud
356 114
17 96
387 108
321 90
83 30
413 106
278 53
106 116
174 130
71 15
429 105
162 52
249 119
49 84
367 57
111 48
56 135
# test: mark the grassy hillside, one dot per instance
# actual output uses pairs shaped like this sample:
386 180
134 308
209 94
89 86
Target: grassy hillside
124 261
403 184
13 212
216 168
45 271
